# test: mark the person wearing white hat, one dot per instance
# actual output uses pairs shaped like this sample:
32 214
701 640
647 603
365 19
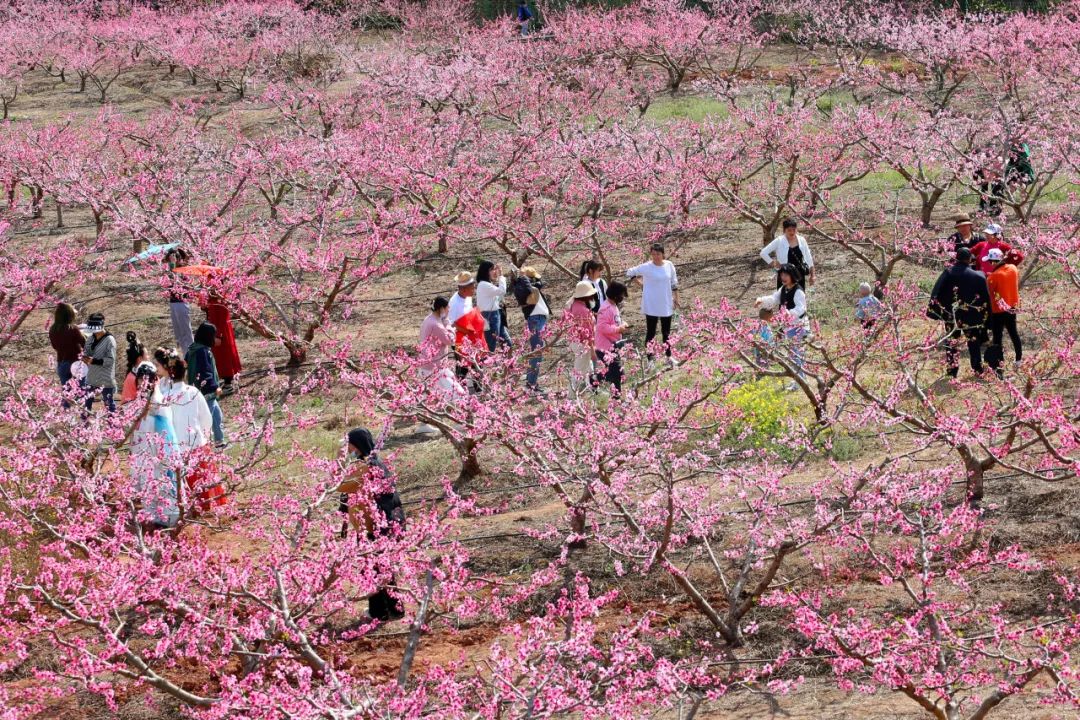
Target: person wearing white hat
582 334
993 233
461 301
100 358
1004 284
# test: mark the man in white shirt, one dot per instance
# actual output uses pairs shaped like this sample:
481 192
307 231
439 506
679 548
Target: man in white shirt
461 302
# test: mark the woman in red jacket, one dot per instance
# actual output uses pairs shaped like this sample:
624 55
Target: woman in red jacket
226 356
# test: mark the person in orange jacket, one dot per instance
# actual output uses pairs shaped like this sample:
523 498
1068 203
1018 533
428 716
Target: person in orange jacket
1004 284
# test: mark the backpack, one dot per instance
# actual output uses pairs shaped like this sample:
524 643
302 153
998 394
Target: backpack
524 292
389 505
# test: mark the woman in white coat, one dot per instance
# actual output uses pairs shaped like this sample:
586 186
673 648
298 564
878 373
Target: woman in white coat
194 429
791 248
191 414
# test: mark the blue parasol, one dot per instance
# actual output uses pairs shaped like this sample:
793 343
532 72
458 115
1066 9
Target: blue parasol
150 252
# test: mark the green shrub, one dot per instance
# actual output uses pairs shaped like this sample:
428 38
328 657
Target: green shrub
840 446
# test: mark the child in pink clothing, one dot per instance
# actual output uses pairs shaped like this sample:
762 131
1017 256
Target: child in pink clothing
582 333
609 332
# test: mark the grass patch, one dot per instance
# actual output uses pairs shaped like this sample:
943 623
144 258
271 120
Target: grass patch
834 99
1063 193
841 446
883 180
686 107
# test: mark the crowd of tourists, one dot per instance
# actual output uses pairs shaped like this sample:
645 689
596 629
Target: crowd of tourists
978 306
978 298
178 386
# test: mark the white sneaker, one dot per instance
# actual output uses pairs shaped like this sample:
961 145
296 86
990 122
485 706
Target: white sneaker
792 386
672 363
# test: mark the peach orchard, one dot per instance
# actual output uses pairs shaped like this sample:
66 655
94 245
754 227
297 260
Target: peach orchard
394 134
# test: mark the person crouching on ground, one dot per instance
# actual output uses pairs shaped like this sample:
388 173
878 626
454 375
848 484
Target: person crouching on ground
867 308
371 505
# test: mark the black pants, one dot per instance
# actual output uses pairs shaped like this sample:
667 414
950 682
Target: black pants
106 397
614 373
461 371
999 323
665 331
990 197
975 337
381 606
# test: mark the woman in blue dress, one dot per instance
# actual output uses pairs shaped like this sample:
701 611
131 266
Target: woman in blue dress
155 454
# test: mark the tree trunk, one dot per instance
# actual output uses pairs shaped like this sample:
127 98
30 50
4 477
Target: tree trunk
470 463
577 526
37 202
297 354
975 476
929 202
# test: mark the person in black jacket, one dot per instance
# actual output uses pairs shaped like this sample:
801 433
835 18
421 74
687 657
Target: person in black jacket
964 236
961 299
202 374
374 480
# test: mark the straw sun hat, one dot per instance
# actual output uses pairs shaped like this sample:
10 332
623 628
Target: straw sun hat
584 289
